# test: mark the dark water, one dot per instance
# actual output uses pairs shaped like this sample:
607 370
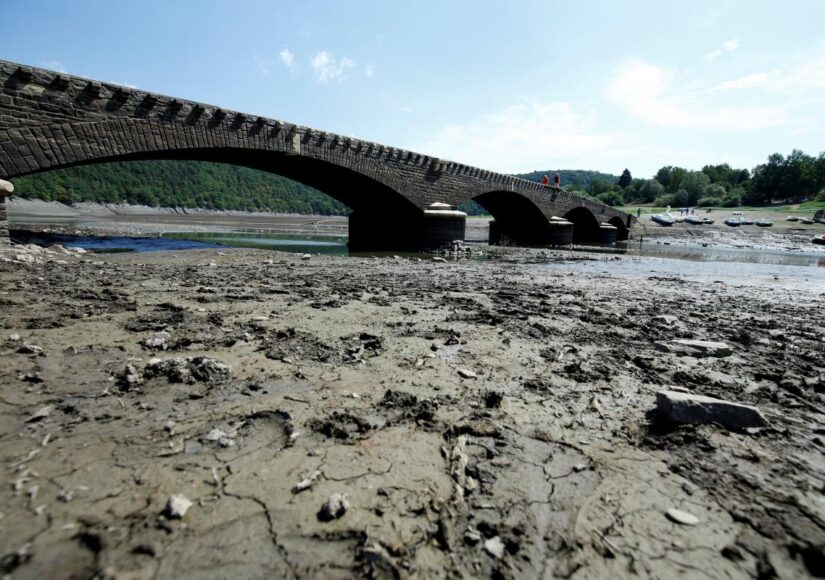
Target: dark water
764 267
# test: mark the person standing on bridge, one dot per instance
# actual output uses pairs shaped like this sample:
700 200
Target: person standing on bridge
556 180
545 181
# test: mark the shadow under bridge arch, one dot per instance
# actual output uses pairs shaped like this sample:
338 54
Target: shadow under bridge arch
516 219
586 227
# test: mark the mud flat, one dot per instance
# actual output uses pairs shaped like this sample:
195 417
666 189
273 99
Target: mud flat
240 413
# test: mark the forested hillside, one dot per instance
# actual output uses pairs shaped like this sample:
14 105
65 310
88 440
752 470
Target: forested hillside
178 184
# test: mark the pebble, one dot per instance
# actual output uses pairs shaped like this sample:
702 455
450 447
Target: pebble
177 505
681 517
466 374
439 259
494 547
306 257
335 507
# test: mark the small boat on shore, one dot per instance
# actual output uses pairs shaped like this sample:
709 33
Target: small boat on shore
745 221
694 220
764 223
791 218
807 221
707 221
819 240
663 219
734 222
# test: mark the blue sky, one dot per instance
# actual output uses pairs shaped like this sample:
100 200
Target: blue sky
512 86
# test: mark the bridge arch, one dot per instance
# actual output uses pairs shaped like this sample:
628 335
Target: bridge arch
622 232
585 224
50 120
517 219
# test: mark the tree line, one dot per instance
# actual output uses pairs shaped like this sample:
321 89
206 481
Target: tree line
189 184
792 179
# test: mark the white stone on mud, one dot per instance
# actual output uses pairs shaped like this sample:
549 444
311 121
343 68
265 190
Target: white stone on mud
159 340
688 408
177 505
306 483
697 348
438 259
335 507
681 517
306 256
494 547
41 413
466 374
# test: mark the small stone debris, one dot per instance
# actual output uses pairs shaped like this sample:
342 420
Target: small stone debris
696 348
679 407
466 374
495 547
27 348
220 437
439 259
680 517
130 377
188 369
160 341
40 414
306 483
335 507
176 506
306 256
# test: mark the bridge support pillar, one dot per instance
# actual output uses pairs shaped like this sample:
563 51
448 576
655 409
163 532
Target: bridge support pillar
556 232
428 230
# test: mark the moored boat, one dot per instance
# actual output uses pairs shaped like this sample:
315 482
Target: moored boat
791 218
764 223
733 221
695 220
745 221
808 221
662 219
819 240
707 221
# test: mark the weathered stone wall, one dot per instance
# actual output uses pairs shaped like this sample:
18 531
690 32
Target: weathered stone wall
50 120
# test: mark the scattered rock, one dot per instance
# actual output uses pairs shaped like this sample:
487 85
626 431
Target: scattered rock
335 507
681 517
439 259
176 506
188 369
306 483
306 256
130 377
466 374
687 408
495 547
160 341
697 348
27 348
40 414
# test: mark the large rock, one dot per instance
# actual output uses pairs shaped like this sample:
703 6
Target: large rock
697 348
680 407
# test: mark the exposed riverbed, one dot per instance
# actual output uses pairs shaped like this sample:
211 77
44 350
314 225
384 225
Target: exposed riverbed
489 417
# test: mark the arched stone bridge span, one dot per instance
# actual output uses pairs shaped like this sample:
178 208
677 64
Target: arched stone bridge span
50 120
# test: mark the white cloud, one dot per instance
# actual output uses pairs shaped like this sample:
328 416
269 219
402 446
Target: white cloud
732 44
522 137
727 46
327 68
369 70
287 57
647 92
54 65
747 82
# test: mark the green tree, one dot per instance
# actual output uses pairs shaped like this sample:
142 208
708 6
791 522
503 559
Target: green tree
694 183
625 179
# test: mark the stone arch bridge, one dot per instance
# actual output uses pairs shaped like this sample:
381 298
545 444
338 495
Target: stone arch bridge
50 120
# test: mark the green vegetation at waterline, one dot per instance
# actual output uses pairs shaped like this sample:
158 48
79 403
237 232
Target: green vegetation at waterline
790 179
192 184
